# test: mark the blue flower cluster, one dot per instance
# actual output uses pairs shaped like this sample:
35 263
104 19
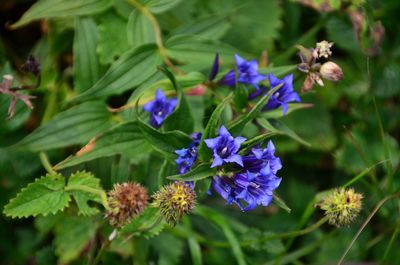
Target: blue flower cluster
160 108
253 183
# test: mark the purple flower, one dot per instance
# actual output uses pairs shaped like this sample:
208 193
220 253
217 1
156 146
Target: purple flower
215 68
247 73
283 95
254 184
187 156
225 148
160 108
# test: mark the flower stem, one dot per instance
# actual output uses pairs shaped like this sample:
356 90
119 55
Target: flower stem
98 192
157 31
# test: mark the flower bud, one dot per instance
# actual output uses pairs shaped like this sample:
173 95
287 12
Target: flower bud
174 200
331 71
126 201
341 206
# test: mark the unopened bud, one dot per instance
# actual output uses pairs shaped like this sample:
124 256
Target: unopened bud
126 201
174 201
341 206
331 71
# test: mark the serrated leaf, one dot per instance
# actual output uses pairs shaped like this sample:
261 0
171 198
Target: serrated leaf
237 126
160 6
181 118
72 235
86 64
45 195
126 138
198 52
82 198
61 8
211 129
73 126
129 71
113 41
200 172
139 29
165 143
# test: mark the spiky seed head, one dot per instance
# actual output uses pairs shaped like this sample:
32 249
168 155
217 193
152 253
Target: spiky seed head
341 206
126 201
174 201
323 49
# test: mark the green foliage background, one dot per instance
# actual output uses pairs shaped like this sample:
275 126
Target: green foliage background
101 54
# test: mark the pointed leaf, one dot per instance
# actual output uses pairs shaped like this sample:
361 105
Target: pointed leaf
160 6
86 64
73 126
61 8
130 70
45 195
202 171
139 29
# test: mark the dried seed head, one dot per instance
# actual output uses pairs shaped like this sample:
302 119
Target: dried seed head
126 201
331 71
341 206
174 200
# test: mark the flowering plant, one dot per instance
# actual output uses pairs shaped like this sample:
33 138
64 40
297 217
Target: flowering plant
183 132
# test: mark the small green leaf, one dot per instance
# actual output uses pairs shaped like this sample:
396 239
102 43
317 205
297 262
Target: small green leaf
130 70
139 29
237 126
211 129
281 203
113 40
86 64
246 146
82 198
202 171
73 126
61 8
182 118
72 235
45 195
277 113
165 143
148 224
126 138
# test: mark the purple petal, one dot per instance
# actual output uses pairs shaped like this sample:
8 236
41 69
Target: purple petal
215 68
212 142
223 131
235 159
217 161
239 60
160 95
149 106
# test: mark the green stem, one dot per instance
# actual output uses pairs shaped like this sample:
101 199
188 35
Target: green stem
157 31
100 193
46 163
389 246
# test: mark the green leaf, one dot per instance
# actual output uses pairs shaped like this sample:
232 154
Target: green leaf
182 118
277 113
240 97
140 31
73 126
211 129
130 70
202 171
61 8
81 197
86 64
194 246
145 92
126 138
198 52
160 6
281 203
113 40
72 235
246 146
237 126
147 224
45 195
169 249
211 27
165 143
220 220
